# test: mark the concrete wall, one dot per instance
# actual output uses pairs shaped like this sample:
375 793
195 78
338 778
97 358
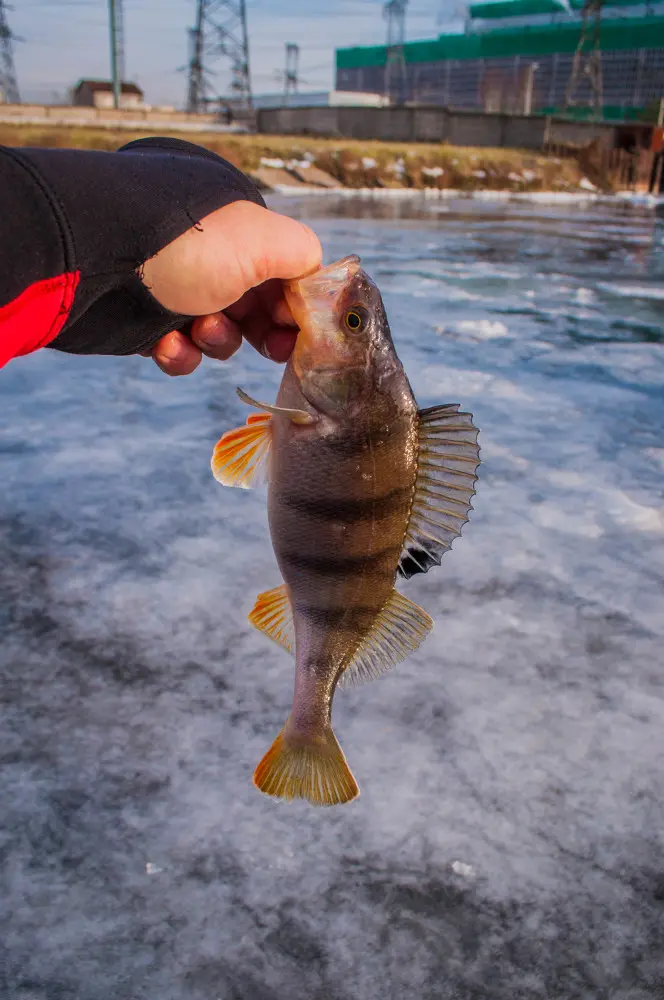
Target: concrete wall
578 133
422 124
71 115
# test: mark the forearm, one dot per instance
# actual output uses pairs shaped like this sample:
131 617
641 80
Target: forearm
75 227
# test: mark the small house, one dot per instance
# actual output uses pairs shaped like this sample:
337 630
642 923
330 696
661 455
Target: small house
99 94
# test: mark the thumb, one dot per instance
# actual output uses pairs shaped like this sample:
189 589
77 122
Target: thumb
231 250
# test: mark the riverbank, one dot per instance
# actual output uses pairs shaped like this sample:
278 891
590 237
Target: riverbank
304 162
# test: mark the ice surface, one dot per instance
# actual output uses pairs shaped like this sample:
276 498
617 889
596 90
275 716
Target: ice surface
509 839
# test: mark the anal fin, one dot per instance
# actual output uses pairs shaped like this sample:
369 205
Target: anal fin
447 472
400 627
272 614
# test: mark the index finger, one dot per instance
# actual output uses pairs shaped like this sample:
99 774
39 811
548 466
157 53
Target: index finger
265 320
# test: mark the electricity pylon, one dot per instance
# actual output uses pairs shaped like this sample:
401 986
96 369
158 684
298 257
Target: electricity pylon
8 83
220 32
291 77
395 63
587 62
116 32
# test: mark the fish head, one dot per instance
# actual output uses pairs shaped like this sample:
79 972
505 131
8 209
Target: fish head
344 346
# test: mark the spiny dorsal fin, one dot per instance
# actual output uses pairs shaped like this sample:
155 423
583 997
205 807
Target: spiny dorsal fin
273 615
397 631
446 476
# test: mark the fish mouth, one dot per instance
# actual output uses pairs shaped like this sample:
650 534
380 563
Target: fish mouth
312 298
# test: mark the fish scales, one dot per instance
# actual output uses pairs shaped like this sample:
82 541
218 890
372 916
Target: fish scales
361 485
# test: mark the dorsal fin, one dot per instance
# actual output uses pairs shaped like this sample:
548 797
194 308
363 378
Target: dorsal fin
446 475
398 630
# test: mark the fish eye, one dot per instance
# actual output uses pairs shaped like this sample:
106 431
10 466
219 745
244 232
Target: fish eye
354 320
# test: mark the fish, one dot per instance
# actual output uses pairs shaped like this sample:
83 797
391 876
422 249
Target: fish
363 488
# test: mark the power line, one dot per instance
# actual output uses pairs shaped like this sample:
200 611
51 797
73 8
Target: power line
8 82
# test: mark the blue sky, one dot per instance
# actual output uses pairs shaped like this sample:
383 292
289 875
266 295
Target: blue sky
64 40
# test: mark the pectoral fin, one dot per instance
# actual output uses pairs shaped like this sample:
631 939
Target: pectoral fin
296 416
446 477
397 631
241 456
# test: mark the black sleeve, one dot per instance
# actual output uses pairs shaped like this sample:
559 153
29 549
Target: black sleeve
102 215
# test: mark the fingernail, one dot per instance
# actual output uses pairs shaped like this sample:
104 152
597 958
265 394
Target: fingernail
265 352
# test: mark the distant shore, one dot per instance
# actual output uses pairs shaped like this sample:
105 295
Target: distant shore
307 164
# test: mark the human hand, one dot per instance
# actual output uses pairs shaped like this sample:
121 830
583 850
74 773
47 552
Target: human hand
227 271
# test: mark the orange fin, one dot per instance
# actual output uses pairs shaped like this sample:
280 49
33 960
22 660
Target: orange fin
273 615
398 630
315 770
241 456
446 475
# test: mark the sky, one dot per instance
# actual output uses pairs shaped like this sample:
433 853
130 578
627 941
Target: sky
64 40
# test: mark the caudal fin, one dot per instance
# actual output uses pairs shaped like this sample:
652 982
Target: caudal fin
315 770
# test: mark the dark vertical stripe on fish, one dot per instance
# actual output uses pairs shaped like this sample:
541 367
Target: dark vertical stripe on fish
373 564
330 618
346 510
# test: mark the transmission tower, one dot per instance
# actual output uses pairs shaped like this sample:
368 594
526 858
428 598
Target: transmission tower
291 73
8 84
395 63
220 32
116 32
587 62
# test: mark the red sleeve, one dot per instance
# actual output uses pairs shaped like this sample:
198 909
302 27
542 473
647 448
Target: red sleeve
36 316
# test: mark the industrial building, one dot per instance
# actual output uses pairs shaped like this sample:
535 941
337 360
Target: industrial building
518 55
318 99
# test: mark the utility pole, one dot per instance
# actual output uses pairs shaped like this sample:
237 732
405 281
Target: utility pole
220 31
394 12
291 77
587 62
116 33
529 87
8 84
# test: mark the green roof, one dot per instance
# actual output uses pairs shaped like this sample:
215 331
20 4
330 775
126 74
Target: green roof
516 8
529 8
627 33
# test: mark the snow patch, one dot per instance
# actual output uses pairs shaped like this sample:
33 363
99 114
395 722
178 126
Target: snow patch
482 329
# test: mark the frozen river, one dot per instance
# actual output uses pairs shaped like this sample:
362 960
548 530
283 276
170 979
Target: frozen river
509 840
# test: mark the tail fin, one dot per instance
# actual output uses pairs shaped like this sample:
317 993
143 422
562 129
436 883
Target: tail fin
315 770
